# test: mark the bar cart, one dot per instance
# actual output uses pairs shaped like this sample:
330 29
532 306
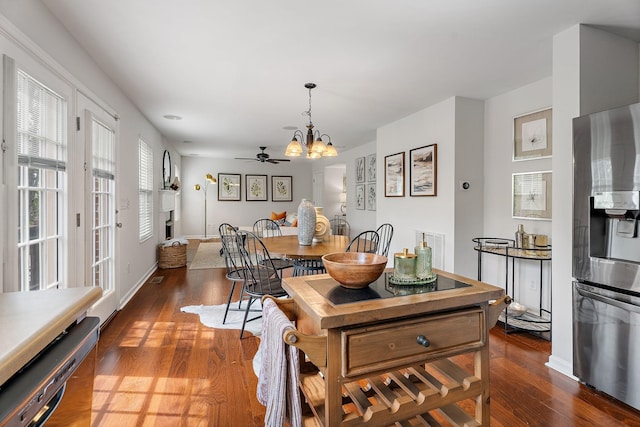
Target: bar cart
538 323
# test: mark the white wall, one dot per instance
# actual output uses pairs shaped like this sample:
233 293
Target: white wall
240 213
469 204
499 167
333 179
456 126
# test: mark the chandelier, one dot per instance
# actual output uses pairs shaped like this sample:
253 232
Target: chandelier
316 148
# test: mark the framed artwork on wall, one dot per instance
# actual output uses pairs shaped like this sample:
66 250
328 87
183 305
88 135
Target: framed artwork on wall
360 203
229 186
370 165
532 135
360 169
531 195
371 196
281 188
423 171
394 175
256 187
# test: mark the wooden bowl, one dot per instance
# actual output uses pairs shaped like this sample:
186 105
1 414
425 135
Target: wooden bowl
354 270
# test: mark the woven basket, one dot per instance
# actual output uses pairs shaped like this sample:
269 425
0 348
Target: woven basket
173 256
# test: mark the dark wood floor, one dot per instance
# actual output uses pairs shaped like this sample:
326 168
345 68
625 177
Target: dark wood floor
159 366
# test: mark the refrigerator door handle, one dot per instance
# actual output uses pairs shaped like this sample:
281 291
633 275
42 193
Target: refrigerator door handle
610 301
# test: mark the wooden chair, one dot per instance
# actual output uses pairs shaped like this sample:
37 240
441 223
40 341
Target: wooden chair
340 227
385 231
367 241
262 276
266 227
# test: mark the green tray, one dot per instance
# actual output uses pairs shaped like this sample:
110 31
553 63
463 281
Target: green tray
430 279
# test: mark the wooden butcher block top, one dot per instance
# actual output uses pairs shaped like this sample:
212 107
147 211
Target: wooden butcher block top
29 321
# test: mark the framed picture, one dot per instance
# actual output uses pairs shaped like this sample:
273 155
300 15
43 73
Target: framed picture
281 189
360 169
256 187
532 195
394 175
532 135
371 196
360 197
229 186
423 171
370 167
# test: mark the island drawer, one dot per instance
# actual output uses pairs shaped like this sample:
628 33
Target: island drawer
389 345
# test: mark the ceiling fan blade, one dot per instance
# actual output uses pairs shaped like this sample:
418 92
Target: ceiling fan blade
281 160
274 161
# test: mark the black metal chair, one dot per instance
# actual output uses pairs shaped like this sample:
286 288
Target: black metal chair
266 227
340 227
367 241
263 278
306 267
233 262
385 231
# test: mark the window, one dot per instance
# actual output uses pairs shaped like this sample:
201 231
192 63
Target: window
103 190
145 189
42 150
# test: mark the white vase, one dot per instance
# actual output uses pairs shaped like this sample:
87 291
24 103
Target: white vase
306 222
322 226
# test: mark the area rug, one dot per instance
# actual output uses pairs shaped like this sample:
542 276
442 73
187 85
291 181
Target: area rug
212 315
207 256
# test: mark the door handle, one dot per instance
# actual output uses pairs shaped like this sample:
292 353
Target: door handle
610 301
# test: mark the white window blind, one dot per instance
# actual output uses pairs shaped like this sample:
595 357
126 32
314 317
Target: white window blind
42 151
145 189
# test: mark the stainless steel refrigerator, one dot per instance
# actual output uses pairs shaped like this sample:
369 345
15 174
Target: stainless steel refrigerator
606 252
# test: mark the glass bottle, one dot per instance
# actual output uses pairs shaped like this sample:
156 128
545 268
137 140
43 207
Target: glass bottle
423 261
520 236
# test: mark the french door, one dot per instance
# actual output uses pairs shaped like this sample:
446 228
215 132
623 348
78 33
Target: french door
35 177
97 136
57 195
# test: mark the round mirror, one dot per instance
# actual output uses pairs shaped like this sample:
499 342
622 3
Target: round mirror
166 169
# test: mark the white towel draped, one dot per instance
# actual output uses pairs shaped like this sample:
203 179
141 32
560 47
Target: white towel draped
280 370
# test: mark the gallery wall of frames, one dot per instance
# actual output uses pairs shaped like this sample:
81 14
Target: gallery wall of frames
531 191
366 169
422 174
256 188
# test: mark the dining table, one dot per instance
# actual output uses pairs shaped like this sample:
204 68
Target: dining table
289 247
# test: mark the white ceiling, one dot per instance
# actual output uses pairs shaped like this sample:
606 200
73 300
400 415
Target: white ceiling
235 70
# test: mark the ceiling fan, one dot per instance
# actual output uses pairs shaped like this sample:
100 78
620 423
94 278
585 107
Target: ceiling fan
263 157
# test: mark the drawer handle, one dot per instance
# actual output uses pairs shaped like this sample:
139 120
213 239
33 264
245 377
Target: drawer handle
423 341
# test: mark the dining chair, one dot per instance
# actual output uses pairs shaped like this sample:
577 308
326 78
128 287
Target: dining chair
263 278
307 267
266 227
367 241
233 263
385 231
340 227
